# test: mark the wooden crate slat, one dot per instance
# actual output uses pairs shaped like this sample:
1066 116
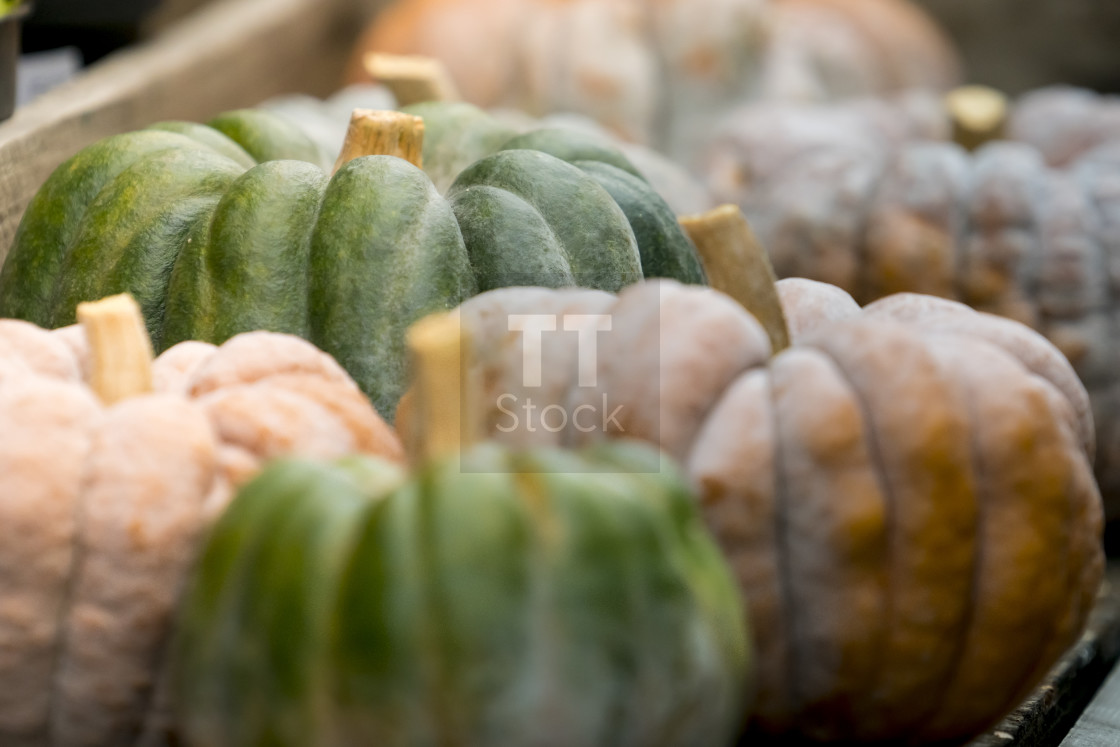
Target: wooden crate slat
1099 725
1045 717
230 54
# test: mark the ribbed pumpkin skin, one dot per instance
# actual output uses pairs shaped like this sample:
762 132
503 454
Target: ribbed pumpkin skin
481 606
457 135
905 494
665 250
856 195
502 209
210 249
211 246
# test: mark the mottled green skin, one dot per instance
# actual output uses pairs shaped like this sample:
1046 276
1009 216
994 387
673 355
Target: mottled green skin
269 214
134 229
212 244
666 250
530 599
57 213
455 136
520 198
386 251
268 137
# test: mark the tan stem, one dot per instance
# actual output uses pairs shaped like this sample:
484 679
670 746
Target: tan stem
120 350
412 79
443 404
737 265
979 115
383 133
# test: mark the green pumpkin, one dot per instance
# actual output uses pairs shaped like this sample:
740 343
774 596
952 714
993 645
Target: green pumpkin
212 245
456 135
492 597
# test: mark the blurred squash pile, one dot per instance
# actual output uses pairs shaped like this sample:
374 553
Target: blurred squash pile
855 505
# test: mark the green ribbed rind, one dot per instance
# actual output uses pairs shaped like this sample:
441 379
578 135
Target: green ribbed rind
456 135
532 599
584 220
57 214
666 250
133 230
247 267
272 563
268 137
385 252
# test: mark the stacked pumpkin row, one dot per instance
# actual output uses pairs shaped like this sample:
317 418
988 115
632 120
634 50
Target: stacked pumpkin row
869 196
915 464
848 193
661 73
212 243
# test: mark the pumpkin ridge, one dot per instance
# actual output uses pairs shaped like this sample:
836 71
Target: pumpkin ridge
488 268
925 511
23 397
258 254
150 184
785 551
45 235
434 677
62 641
175 324
853 534
1054 643
1006 494
152 297
261 503
147 535
889 501
977 468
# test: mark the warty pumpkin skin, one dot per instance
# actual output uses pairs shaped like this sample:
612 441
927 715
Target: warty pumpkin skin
1024 228
211 248
492 596
905 494
103 500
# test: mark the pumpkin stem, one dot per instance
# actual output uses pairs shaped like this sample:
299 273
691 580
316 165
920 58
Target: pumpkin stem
443 407
979 115
383 133
412 79
737 265
120 350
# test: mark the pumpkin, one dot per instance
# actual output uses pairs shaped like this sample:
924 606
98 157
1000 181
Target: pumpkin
659 73
905 491
490 596
1024 228
325 122
212 246
111 467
